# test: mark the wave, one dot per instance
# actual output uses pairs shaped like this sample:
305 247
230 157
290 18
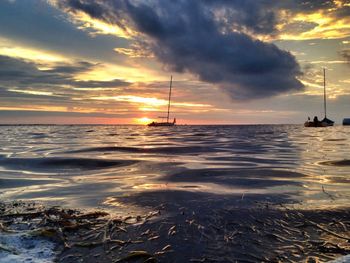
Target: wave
38 135
336 163
164 150
245 178
20 182
61 163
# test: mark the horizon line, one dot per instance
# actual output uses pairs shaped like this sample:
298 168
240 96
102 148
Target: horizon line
135 124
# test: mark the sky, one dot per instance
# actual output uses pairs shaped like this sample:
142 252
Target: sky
232 61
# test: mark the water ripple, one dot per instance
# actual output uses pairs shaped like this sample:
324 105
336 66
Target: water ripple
117 160
60 163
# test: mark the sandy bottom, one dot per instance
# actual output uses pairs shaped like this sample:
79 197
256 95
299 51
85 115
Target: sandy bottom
262 232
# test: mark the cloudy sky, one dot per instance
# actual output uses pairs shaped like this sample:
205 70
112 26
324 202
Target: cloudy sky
233 61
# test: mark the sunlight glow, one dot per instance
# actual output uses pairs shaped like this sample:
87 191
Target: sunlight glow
31 54
137 52
35 108
34 92
150 102
326 28
147 109
107 72
143 120
134 99
101 27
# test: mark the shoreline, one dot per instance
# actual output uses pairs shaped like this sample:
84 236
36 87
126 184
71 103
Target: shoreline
265 233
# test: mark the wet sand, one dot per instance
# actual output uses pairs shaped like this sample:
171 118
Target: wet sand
196 232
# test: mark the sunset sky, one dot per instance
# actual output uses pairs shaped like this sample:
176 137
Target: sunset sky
232 61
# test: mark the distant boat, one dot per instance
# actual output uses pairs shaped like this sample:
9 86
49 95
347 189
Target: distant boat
325 122
167 123
346 121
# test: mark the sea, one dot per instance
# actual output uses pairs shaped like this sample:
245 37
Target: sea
88 167
207 171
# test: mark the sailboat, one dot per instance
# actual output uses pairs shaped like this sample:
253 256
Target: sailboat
325 122
167 123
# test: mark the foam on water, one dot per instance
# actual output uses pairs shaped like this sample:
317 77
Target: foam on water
345 259
24 248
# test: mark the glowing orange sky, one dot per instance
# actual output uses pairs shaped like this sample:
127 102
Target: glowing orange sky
140 96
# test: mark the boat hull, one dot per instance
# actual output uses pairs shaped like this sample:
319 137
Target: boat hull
346 122
318 124
161 124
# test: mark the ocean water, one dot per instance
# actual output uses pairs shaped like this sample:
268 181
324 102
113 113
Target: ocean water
119 167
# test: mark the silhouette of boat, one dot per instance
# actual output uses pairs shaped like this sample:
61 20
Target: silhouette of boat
325 122
167 123
346 121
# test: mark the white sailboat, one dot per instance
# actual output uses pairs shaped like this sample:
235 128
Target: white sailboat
167 123
325 122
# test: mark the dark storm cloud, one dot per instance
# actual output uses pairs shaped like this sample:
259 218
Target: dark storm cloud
20 73
305 6
91 8
101 84
14 114
257 16
194 36
18 97
343 12
78 67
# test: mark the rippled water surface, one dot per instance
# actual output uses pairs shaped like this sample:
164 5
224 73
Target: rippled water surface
89 166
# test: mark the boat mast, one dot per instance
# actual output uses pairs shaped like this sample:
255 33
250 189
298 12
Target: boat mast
171 82
324 93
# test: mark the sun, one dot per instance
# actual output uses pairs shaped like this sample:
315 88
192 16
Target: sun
143 120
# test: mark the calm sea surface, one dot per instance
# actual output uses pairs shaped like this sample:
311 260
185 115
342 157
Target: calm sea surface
92 166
